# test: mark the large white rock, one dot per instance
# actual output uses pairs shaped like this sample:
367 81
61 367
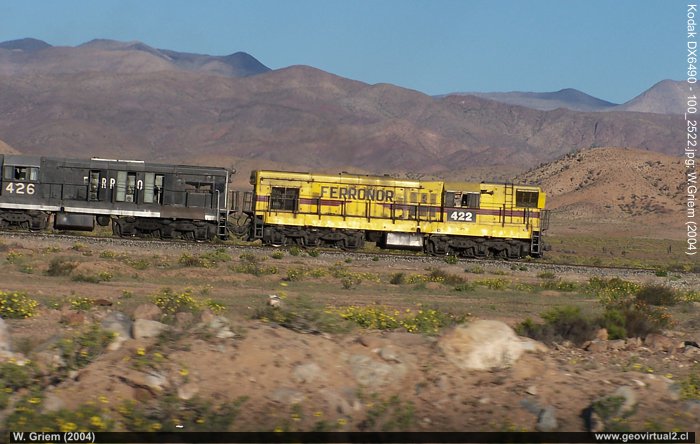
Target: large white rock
5 344
484 345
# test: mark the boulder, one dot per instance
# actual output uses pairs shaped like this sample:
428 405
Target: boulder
119 323
306 373
5 343
485 345
372 373
148 311
145 328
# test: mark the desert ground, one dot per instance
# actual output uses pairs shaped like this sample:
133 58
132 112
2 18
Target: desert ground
148 336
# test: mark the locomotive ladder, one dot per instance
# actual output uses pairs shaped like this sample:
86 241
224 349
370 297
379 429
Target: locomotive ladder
507 203
222 216
535 244
509 191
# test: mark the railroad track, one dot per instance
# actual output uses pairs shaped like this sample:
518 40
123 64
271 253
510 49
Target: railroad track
323 253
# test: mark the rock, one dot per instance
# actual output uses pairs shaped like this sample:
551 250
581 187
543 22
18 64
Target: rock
531 406
617 344
183 319
5 343
102 303
187 391
73 318
150 312
206 316
657 342
274 301
594 423
49 360
289 396
622 402
152 381
596 346
306 373
225 334
117 322
527 367
633 343
389 354
116 343
484 345
344 403
547 420
52 403
630 399
145 328
371 373
602 334
532 390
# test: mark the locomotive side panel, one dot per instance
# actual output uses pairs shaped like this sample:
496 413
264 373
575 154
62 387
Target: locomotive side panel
439 216
139 198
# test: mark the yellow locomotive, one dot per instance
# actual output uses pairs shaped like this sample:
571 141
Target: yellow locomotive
345 210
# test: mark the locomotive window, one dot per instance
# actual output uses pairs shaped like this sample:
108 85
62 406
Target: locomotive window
470 200
94 185
121 186
158 189
130 186
21 173
526 199
149 184
284 198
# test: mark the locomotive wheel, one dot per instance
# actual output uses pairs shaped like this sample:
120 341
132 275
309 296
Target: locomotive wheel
103 221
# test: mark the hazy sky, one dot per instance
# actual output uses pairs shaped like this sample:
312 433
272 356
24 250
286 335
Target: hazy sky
611 49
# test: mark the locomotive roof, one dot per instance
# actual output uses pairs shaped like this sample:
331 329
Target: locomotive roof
35 161
345 177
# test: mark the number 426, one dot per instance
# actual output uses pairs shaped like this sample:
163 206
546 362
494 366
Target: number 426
20 188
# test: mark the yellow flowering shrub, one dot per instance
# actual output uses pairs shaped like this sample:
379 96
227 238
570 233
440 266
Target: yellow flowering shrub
17 305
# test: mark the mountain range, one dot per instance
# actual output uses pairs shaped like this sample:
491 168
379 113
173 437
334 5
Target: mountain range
665 97
127 99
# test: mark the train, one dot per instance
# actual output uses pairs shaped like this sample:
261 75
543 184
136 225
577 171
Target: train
137 198
345 210
144 199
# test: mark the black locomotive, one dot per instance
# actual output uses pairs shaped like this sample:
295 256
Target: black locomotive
138 198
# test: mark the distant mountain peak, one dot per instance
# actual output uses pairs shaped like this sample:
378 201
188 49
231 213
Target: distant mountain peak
26 44
568 98
665 97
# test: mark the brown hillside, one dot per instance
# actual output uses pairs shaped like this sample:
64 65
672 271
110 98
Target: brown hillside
299 115
615 186
7 149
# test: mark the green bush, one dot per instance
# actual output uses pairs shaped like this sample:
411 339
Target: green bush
60 267
251 264
614 321
452 260
658 295
441 276
560 323
547 275
398 278
377 317
28 415
690 386
167 412
78 351
188 260
493 284
171 302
